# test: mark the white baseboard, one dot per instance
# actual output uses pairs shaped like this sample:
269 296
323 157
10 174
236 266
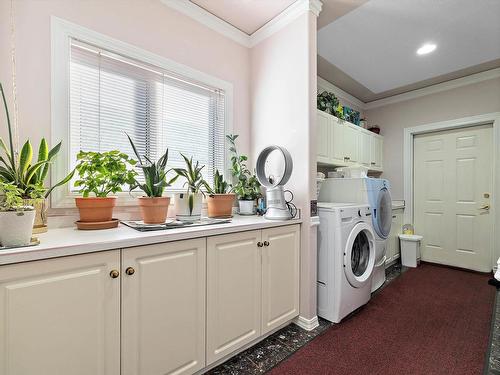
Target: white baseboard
307 324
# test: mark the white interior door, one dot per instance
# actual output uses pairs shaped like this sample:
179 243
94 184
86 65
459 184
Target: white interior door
453 181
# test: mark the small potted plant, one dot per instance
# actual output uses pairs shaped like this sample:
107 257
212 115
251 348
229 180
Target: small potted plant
154 206
30 178
101 174
220 199
246 187
188 205
16 219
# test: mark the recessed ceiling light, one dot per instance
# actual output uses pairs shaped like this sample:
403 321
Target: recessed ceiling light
426 48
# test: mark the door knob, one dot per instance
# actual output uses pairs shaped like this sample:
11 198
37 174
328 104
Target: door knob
129 271
266 243
259 244
114 274
485 207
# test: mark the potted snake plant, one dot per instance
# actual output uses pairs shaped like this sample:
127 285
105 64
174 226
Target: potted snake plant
220 198
16 219
154 206
188 204
29 175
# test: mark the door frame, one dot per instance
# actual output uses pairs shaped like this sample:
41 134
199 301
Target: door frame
464 122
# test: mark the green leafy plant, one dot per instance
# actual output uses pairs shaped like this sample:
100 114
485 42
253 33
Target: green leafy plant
247 186
192 174
104 173
155 174
328 102
220 186
12 197
20 171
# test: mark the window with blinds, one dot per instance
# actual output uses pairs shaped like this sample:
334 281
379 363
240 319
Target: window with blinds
111 95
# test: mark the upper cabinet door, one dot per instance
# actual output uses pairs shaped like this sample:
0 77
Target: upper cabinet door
61 316
337 142
351 137
324 128
376 151
364 148
163 308
233 292
280 276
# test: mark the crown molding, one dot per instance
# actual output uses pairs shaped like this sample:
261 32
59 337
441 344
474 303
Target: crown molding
217 24
284 18
323 83
434 89
213 22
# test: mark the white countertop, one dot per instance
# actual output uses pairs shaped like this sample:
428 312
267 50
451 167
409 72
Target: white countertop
397 204
71 241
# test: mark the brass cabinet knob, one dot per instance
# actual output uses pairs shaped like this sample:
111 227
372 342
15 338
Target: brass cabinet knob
259 244
266 243
129 271
114 274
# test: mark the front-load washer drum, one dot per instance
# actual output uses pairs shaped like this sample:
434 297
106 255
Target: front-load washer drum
383 214
359 255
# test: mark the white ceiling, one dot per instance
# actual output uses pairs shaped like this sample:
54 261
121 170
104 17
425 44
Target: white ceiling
246 15
375 44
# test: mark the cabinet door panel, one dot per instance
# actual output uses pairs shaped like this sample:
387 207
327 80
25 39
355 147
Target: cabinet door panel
324 127
280 276
351 143
61 316
233 292
163 308
337 141
364 148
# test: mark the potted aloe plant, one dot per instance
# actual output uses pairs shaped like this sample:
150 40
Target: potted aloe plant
188 204
247 186
220 198
101 174
154 206
28 174
16 219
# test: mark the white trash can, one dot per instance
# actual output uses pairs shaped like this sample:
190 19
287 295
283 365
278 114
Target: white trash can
410 249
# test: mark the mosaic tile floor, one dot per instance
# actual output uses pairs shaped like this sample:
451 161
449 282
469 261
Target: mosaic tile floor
266 354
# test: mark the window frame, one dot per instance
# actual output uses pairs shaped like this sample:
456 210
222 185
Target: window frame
61 34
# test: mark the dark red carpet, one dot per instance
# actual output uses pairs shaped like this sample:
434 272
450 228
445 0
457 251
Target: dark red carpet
430 320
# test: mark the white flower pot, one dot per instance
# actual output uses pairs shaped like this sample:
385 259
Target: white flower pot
188 206
16 227
246 207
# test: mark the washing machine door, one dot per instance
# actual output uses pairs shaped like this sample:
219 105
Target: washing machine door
359 255
382 214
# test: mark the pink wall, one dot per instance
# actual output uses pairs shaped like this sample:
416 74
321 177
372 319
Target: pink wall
283 87
470 100
147 24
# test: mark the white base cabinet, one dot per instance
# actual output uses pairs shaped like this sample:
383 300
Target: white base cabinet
163 308
340 144
252 286
61 316
170 308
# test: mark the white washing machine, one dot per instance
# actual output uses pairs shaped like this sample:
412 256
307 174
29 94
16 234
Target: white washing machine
374 192
346 259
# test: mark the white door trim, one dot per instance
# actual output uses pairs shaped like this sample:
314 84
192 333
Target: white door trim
409 133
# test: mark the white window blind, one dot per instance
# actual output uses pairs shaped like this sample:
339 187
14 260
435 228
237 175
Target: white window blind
111 94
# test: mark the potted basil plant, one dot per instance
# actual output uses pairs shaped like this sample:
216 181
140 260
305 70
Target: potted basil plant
154 206
188 204
101 174
246 186
16 219
220 198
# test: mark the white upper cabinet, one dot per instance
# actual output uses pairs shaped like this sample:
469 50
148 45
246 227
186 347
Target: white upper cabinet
340 143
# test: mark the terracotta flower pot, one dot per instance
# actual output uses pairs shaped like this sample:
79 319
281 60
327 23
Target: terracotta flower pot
220 205
95 209
154 209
